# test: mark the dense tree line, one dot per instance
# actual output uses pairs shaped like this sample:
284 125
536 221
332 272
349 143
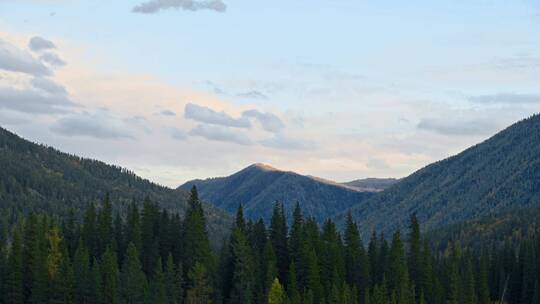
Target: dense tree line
152 256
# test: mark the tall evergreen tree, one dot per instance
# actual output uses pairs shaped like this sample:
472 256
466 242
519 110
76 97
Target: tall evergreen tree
277 294
196 245
109 277
278 237
14 281
199 289
173 282
133 284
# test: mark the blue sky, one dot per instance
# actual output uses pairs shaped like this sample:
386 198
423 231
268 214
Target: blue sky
340 89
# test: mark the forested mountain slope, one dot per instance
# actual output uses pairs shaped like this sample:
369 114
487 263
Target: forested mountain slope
258 186
497 175
41 179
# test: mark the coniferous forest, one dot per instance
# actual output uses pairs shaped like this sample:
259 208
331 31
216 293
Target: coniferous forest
152 256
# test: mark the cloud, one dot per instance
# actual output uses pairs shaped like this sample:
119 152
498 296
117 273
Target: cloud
253 95
219 134
506 98
33 101
179 134
37 44
99 125
167 113
207 115
458 127
154 6
268 121
52 59
16 60
280 141
48 86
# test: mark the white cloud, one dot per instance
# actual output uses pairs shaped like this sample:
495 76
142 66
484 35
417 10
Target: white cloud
38 44
16 60
154 6
209 116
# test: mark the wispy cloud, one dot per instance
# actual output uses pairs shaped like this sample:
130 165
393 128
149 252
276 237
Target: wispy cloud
52 59
506 98
220 134
166 113
101 125
154 6
253 94
270 122
33 101
209 116
458 127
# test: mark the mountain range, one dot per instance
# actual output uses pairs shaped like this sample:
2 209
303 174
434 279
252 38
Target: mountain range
37 178
499 175
259 186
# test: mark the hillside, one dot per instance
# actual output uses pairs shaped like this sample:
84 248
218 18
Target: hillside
258 186
499 174
371 184
42 179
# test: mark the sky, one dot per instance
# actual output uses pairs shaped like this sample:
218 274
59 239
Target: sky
344 89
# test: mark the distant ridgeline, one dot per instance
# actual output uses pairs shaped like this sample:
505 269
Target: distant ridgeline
153 256
259 186
500 175
36 178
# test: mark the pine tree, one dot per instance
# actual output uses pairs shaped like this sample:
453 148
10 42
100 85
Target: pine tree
243 273
82 275
149 236
313 278
14 281
95 287
105 228
483 284
158 294
133 227
90 227
292 286
109 277
415 256
195 237
278 237
133 283
199 290
398 278
276 294
356 260
173 282
469 292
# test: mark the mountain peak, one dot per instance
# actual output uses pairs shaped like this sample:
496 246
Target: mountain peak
263 167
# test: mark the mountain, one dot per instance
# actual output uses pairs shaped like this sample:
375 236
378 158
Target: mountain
497 175
258 186
371 184
36 178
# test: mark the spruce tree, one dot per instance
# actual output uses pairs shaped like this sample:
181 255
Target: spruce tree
14 281
199 289
158 293
243 274
173 282
196 245
278 237
109 277
133 283
276 294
